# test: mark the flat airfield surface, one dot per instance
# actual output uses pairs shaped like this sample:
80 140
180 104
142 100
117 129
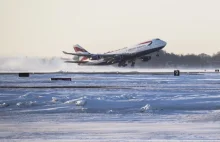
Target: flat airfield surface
110 107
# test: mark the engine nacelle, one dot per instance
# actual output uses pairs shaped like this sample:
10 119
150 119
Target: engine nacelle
145 58
95 57
118 57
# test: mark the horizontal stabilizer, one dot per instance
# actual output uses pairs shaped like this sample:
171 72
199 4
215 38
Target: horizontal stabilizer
78 54
78 62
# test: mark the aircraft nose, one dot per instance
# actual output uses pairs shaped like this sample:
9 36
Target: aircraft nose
163 43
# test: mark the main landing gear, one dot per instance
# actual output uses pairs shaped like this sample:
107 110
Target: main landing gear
132 63
122 64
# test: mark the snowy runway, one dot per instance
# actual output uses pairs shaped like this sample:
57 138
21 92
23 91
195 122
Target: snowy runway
139 107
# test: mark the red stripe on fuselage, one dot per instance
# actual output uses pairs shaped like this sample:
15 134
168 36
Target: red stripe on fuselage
145 42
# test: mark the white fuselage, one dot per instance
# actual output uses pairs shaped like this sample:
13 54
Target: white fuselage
122 56
141 47
138 50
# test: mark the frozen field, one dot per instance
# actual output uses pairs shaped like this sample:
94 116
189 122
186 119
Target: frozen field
110 107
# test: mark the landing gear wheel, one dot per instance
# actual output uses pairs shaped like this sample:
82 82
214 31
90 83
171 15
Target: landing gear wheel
124 65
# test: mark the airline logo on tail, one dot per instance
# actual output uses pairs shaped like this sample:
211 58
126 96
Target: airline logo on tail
79 49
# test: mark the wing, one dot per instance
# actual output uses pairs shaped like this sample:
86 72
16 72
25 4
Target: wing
78 54
101 55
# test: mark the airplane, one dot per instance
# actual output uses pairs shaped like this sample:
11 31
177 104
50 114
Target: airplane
122 57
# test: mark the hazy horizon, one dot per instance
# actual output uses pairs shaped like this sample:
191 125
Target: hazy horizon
44 28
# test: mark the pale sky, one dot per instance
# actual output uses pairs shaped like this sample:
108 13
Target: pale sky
47 27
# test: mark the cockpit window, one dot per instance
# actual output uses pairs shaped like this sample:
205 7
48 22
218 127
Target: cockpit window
157 39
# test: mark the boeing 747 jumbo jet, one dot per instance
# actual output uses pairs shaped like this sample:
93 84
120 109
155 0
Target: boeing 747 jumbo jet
122 57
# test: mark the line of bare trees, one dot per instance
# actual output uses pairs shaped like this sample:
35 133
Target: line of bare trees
167 60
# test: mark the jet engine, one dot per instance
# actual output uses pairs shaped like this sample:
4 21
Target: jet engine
145 58
117 58
95 57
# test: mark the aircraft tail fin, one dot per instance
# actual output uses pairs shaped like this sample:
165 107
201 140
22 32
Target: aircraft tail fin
79 49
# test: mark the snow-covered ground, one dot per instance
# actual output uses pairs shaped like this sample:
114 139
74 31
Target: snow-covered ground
35 64
109 131
128 107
